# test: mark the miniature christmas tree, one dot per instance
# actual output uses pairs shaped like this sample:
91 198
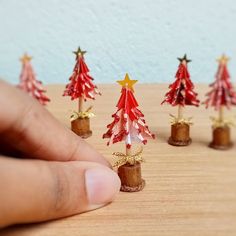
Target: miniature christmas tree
29 83
221 95
180 94
128 126
81 87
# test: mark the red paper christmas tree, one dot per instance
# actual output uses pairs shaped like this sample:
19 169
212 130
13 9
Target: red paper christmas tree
128 124
181 91
222 93
81 83
28 81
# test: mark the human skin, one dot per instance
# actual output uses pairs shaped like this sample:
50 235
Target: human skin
46 171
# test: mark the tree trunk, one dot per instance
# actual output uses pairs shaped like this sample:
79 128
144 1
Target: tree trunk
81 101
180 112
128 151
221 114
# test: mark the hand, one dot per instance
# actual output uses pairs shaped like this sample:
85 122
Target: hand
55 174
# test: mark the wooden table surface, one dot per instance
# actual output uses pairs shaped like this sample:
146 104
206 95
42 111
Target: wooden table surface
189 190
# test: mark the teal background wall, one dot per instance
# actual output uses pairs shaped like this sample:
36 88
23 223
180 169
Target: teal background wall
140 37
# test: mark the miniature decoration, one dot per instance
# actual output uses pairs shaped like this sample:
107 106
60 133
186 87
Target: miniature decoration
29 83
220 96
128 126
81 87
180 94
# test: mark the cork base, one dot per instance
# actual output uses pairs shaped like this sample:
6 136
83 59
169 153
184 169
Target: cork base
81 126
131 179
221 138
180 135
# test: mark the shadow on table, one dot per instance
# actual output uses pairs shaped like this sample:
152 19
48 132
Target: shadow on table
14 230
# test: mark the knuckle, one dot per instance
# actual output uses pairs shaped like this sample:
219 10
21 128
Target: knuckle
76 145
61 189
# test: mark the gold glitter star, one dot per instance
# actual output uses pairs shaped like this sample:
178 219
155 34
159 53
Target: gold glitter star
25 58
223 59
127 82
79 52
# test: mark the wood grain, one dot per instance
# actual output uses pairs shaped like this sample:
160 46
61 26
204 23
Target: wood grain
189 190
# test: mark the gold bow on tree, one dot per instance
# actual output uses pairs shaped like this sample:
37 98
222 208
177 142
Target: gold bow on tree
221 123
82 114
131 159
175 120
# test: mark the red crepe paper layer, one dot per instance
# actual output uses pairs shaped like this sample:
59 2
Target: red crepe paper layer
128 124
81 84
222 93
181 91
29 84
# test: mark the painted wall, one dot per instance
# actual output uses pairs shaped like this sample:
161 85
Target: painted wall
142 37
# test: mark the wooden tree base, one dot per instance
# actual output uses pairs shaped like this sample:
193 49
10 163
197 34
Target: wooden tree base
81 126
221 138
131 179
180 135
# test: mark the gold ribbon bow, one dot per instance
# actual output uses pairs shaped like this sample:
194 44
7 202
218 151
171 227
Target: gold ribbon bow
221 123
82 114
131 159
175 120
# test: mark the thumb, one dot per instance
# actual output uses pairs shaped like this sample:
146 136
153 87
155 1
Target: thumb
37 190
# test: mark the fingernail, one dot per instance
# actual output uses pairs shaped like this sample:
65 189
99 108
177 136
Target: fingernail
102 185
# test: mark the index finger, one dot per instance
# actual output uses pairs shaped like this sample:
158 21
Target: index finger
32 130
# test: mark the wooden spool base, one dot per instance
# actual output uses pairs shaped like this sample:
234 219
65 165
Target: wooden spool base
179 143
81 126
131 179
179 135
220 147
87 135
138 188
221 138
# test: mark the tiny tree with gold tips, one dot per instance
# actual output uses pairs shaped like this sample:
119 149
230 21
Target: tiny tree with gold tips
29 83
181 93
128 126
81 87
220 96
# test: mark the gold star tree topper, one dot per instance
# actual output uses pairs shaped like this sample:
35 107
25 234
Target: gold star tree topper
127 82
25 58
79 52
184 59
223 59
